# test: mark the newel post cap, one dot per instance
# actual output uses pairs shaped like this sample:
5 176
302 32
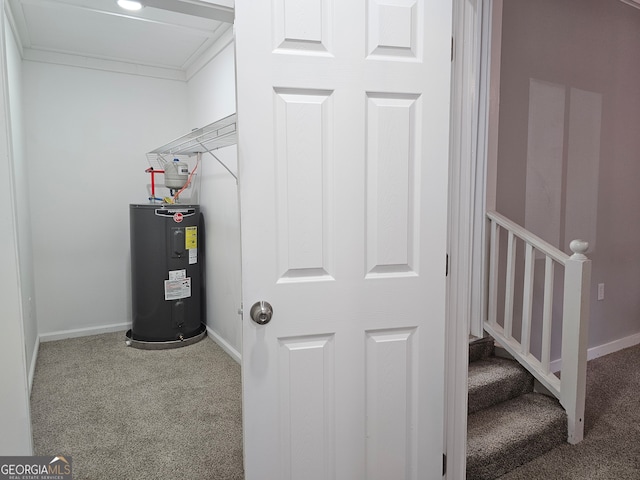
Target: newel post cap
579 248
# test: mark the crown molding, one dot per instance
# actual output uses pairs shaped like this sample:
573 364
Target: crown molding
71 60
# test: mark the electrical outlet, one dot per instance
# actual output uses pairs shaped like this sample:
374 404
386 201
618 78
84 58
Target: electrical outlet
601 291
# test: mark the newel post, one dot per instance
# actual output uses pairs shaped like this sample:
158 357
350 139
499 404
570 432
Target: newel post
575 327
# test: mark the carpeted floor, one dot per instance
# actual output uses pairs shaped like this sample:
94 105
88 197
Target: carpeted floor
124 413
611 447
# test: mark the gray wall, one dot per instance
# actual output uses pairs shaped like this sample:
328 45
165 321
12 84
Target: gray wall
583 46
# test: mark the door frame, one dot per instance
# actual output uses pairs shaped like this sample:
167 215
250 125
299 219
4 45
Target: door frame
475 88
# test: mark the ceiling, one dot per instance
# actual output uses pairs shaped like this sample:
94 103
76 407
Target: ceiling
166 38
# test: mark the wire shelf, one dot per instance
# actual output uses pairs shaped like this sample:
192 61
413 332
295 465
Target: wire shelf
222 133
219 134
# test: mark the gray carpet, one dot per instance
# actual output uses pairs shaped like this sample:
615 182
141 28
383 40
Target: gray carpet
486 374
124 413
513 433
611 447
509 424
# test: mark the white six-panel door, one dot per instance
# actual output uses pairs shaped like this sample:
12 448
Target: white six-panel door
343 117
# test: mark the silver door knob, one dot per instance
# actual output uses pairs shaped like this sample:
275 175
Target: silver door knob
261 312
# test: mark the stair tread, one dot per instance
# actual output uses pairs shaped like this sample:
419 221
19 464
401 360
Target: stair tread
496 380
480 349
512 433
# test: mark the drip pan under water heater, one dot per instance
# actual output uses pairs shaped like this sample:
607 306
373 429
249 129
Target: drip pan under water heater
162 345
166 276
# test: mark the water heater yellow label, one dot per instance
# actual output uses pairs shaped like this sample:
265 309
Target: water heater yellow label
190 238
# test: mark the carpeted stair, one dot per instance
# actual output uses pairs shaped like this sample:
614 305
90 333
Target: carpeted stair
509 424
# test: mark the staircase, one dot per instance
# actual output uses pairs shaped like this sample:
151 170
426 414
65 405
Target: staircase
509 424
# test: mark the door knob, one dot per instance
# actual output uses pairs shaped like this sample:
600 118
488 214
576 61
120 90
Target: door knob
261 312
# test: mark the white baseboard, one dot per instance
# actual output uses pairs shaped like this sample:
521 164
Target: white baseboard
120 327
605 349
233 353
32 368
83 332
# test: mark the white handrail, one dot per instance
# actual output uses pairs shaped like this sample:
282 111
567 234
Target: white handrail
538 243
570 388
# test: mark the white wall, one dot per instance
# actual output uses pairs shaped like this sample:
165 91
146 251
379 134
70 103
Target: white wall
14 400
23 220
87 132
588 49
211 94
79 138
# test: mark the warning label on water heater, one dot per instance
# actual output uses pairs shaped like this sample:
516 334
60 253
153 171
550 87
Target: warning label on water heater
177 274
191 243
190 238
177 289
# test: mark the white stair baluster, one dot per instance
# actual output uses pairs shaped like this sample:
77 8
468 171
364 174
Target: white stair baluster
509 286
493 273
527 299
547 313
